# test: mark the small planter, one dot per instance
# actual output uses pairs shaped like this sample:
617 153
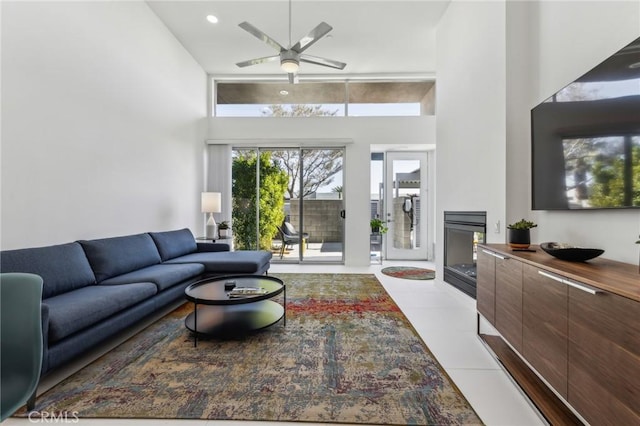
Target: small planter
378 226
224 229
519 238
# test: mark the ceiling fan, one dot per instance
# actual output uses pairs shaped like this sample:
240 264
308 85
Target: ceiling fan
291 56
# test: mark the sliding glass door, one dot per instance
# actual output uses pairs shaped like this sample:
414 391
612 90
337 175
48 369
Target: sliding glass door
320 202
289 201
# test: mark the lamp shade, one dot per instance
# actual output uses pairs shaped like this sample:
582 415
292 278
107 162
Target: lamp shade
211 202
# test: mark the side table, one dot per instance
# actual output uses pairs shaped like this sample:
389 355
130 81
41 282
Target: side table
213 240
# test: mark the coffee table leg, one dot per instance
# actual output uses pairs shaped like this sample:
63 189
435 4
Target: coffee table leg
195 324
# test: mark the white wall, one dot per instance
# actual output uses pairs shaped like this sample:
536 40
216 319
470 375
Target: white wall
470 111
361 133
102 123
497 60
520 20
573 37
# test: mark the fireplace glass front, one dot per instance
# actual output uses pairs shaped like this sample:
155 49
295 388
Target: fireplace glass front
462 233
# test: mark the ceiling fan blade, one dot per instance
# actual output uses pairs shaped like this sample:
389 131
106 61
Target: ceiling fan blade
314 35
293 78
260 35
323 61
258 61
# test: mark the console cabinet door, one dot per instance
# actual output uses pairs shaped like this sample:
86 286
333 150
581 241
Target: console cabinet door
604 357
509 300
544 325
486 285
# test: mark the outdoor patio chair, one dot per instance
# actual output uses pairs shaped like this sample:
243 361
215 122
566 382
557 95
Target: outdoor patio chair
290 231
286 241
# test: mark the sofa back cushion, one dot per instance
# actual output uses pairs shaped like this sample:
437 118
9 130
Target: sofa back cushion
174 243
110 257
63 267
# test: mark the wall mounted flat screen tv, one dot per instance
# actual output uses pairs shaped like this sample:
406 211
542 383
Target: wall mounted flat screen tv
585 139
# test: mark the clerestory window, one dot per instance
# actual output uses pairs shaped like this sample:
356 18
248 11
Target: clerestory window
327 99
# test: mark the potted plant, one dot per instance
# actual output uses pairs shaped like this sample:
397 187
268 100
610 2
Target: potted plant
520 235
378 226
224 229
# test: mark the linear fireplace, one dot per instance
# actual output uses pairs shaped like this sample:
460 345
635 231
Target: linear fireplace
462 233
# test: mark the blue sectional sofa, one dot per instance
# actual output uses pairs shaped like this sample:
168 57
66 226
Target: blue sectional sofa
94 289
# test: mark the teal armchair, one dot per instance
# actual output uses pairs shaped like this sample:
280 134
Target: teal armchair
21 341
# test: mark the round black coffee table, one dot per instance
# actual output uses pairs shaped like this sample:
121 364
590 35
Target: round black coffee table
234 305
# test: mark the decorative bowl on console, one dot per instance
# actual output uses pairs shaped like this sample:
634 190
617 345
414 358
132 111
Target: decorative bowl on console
571 253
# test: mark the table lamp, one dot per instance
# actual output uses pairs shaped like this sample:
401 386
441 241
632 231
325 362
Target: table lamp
211 205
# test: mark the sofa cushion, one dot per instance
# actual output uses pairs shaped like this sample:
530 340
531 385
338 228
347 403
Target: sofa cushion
63 267
110 257
233 262
163 276
172 244
214 247
75 310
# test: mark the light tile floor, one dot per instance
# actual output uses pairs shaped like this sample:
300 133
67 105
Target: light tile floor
445 318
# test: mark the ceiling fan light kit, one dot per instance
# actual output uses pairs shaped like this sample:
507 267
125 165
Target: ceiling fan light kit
290 66
291 57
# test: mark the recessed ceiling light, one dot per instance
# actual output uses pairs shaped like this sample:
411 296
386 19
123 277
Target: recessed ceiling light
212 19
284 92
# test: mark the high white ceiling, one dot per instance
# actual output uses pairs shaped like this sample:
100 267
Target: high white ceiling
374 38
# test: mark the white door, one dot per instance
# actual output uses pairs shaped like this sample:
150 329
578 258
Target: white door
406 204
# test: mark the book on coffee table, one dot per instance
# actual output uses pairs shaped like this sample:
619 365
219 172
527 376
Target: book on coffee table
246 291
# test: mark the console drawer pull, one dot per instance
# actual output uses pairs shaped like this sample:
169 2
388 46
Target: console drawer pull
553 277
582 287
494 254
579 286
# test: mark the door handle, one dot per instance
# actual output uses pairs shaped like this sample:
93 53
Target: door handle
343 214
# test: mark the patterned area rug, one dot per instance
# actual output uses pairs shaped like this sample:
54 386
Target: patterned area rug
409 272
346 355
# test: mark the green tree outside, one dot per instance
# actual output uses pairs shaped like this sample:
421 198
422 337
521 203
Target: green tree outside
298 110
319 166
273 184
278 176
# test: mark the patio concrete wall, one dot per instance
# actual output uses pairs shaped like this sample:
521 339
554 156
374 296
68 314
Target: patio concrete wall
402 229
322 219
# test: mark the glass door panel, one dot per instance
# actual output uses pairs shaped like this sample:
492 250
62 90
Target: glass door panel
244 196
405 205
287 241
376 246
322 205
272 198
289 201
258 189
